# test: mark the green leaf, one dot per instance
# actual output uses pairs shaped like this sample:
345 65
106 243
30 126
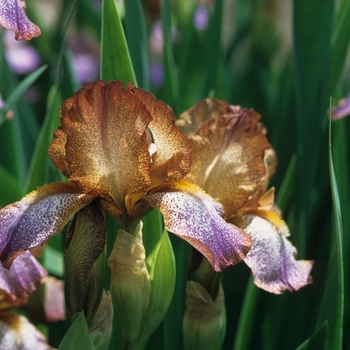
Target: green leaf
332 303
161 267
312 38
19 91
39 166
246 319
340 43
135 27
77 337
115 58
317 341
9 187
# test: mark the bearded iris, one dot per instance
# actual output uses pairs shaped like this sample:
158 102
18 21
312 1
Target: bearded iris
233 162
102 147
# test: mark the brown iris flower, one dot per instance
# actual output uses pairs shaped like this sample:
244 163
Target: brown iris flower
123 155
233 162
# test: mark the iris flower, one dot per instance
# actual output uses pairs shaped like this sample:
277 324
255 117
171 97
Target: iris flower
233 162
16 284
123 155
13 16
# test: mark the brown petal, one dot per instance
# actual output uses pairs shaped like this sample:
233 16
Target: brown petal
231 157
170 141
192 119
105 148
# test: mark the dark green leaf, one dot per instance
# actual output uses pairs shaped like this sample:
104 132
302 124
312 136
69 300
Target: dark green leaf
115 59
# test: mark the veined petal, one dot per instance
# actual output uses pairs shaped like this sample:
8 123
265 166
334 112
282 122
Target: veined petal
87 238
194 216
17 333
23 278
191 120
36 217
102 141
13 16
169 140
272 257
232 159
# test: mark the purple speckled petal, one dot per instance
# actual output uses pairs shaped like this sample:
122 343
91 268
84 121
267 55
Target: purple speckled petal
194 216
24 276
13 16
36 217
272 258
17 333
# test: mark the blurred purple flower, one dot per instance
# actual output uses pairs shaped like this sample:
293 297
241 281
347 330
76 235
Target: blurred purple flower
85 68
156 73
21 57
343 108
201 17
85 58
156 39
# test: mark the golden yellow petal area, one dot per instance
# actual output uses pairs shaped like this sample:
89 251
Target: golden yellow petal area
106 148
192 119
169 140
229 158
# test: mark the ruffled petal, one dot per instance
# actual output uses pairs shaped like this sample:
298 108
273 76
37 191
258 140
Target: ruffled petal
102 143
169 140
232 159
272 257
17 333
194 216
36 217
13 16
23 278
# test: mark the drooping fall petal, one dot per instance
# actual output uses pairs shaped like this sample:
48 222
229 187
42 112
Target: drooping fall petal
36 217
102 143
13 16
23 278
272 257
232 158
17 333
194 216
169 140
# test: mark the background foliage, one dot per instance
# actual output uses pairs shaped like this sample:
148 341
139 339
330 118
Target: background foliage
283 58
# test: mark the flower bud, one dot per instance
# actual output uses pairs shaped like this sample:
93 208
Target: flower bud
205 319
100 327
130 283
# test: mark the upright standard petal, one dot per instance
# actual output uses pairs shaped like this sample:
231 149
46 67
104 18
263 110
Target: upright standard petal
101 144
194 216
232 158
169 140
36 217
272 257
13 16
